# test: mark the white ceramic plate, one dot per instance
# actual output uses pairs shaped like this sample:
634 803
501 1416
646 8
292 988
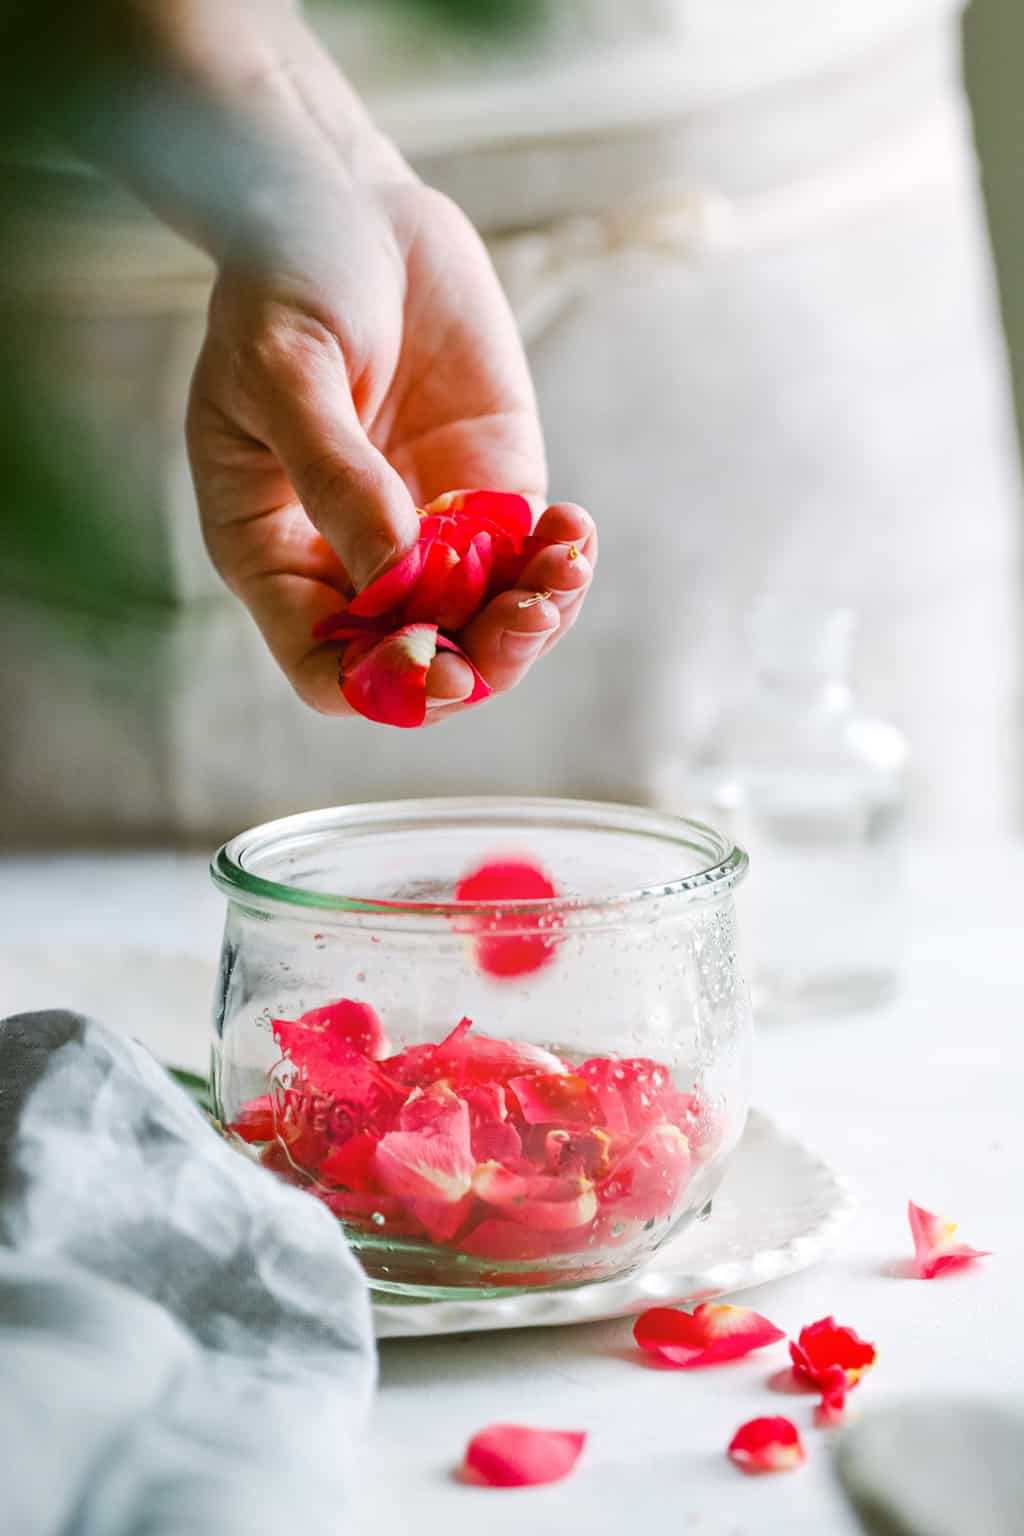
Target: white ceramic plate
778 1210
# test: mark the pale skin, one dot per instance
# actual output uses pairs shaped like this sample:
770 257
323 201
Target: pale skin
360 357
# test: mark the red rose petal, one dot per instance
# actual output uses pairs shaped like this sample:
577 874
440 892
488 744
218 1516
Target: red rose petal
515 953
514 1456
544 1202
350 1163
389 590
648 1180
256 1120
561 1098
471 544
832 1408
823 1346
388 682
351 1023
935 1247
709 1335
767 1445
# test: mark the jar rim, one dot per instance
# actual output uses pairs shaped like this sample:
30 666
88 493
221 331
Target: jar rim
723 863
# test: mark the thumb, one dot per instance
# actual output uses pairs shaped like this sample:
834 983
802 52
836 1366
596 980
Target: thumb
348 489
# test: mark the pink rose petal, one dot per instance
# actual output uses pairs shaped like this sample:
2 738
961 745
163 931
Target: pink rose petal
767 1445
515 1456
712 1333
935 1247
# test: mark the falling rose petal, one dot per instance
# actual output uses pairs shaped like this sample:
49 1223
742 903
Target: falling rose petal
936 1249
824 1345
515 1456
712 1333
767 1445
523 949
831 1411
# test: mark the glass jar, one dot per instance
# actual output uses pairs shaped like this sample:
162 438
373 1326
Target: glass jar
533 1085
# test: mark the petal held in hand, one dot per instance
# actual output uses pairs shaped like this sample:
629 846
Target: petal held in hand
823 1346
936 1249
710 1334
472 545
515 1456
767 1445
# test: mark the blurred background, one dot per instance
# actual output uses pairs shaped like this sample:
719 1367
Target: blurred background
748 251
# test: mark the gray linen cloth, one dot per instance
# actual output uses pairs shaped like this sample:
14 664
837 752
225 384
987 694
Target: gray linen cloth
185 1341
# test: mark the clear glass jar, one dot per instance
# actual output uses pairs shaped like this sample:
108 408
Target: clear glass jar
494 1093
816 790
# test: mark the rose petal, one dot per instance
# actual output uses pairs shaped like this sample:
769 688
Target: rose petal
707 1336
935 1247
514 1456
350 1163
388 591
517 953
388 682
425 600
767 1445
824 1345
561 1098
540 1201
647 1181
832 1408
351 1023
256 1120
630 1090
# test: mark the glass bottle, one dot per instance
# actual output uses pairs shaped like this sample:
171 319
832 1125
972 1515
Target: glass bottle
815 790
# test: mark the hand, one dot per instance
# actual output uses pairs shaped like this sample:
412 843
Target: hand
360 361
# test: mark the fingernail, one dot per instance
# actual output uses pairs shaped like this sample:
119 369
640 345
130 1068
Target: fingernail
375 555
433 703
520 647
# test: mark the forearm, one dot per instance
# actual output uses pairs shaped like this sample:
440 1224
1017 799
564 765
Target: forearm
219 113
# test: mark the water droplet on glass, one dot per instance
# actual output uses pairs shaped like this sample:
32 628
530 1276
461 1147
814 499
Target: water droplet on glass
360 977
618 1229
378 1218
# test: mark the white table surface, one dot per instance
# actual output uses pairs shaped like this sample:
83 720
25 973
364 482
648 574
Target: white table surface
921 1100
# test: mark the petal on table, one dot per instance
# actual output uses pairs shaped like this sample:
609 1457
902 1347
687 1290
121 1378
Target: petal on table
515 1456
824 1345
712 1333
832 1408
767 1445
935 1246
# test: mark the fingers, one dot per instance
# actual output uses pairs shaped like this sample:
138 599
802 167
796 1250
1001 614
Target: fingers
517 627
348 489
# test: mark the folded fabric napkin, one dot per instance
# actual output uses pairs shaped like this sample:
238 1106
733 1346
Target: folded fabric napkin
185 1341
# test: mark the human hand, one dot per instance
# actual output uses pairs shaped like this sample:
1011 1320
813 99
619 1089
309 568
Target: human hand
360 361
